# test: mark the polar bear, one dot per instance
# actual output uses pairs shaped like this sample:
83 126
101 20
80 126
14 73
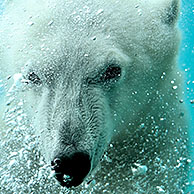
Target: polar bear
101 76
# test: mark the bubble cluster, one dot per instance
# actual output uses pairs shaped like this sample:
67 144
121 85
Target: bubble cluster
22 167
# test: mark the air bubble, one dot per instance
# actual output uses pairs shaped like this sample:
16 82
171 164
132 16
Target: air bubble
100 11
50 23
67 178
30 23
139 169
192 101
160 189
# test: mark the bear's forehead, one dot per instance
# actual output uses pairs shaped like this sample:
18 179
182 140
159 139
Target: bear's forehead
70 64
78 34
74 34
76 21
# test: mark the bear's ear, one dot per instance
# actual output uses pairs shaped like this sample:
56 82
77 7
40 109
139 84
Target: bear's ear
172 13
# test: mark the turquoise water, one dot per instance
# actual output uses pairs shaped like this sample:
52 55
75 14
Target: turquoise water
186 56
186 61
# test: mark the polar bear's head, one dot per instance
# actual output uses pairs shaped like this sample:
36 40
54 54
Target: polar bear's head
91 67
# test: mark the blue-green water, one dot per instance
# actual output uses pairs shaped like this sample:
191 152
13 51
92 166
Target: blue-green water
186 61
186 56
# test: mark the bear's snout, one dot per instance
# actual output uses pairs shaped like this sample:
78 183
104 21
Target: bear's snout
71 170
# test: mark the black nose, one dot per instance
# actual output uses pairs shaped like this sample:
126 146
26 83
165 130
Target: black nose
71 170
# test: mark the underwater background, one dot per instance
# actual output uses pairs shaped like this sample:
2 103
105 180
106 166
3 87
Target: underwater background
186 62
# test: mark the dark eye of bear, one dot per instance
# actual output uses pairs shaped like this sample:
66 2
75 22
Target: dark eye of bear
34 78
112 72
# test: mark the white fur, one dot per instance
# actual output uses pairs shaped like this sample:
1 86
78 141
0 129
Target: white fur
67 42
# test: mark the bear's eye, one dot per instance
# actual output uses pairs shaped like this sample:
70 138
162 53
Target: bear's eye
172 13
112 72
33 78
109 75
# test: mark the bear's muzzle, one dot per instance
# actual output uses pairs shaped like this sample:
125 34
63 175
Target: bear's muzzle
71 170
